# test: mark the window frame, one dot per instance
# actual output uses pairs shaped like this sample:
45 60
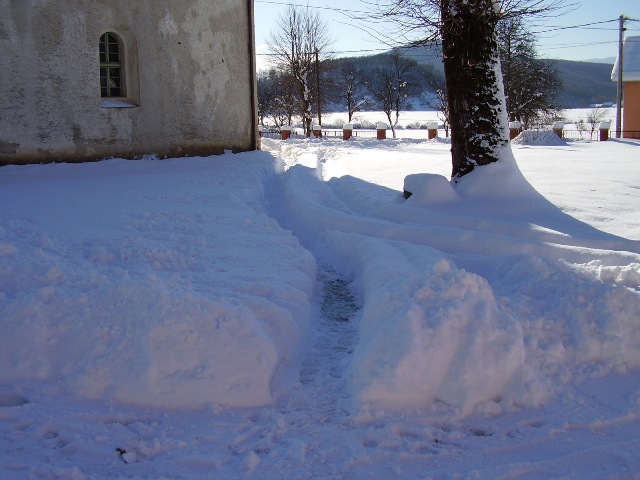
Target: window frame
112 66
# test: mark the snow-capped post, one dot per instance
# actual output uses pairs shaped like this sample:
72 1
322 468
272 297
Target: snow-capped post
285 132
604 131
381 131
515 128
260 129
317 130
557 128
347 130
432 130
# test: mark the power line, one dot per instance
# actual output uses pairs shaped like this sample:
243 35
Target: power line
568 27
576 45
372 50
553 28
556 46
583 26
317 7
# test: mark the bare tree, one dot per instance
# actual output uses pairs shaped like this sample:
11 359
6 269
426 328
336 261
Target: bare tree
392 85
437 84
594 117
532 85
475 96
299 40
349 84
276 97
443 115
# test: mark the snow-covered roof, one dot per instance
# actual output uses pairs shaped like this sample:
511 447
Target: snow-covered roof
631 59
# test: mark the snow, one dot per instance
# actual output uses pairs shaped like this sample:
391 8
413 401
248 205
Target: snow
631 61
411 117
161 298
288 314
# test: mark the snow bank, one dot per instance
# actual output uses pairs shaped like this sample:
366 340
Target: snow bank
159 283
483 298
167 283
429 330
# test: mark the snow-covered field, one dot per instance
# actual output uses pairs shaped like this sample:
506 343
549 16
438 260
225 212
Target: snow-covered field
287 314
421 117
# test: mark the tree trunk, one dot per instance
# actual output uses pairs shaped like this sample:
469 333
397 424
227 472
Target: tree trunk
477 109
305 106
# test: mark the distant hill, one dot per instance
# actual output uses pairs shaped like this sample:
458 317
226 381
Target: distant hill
608 60
585 83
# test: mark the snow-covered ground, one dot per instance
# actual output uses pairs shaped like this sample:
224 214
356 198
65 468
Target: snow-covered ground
287 314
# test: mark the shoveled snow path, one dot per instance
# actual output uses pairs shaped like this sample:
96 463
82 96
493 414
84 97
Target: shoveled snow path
311 424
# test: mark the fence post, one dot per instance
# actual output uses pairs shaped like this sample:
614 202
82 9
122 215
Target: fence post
381 131
260 129
604 131
285 132
557 128
317 131
347 130
432 130
514 129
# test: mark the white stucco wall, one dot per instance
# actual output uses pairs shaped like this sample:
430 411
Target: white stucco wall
188 71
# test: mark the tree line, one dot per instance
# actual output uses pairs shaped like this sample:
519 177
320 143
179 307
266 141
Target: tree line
491 71
303 82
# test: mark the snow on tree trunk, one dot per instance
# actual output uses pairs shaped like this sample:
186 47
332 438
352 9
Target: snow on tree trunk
305 100
477 107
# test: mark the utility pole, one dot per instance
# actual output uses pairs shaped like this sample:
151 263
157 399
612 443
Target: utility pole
620 64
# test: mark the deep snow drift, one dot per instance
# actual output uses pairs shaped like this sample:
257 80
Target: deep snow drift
290 314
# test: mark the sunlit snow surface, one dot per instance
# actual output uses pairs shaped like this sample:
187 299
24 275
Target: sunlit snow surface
287 314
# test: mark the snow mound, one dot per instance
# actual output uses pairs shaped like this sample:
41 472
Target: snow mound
182 293
502 181
429 189
538 137
470 303
429 330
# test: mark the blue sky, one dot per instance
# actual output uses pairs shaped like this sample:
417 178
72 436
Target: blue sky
595 34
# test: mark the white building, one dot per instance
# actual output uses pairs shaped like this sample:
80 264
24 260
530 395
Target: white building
85 80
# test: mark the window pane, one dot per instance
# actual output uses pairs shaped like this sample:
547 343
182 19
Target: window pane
114 82
110 68
114 53
104 92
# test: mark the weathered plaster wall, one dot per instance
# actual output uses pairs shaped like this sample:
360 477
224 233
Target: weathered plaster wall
188 71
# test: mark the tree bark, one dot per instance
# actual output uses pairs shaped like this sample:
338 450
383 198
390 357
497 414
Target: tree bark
475 96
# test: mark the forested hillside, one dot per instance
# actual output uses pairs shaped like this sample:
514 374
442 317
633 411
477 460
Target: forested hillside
584 83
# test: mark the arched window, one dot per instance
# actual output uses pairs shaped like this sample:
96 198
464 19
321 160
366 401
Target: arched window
111 66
